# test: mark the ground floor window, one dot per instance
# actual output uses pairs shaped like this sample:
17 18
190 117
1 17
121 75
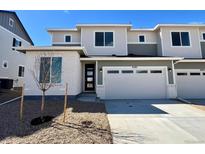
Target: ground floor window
50 70
21 71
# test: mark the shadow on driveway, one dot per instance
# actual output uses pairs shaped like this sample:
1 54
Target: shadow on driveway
136 106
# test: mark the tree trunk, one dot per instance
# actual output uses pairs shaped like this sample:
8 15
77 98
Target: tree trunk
42 104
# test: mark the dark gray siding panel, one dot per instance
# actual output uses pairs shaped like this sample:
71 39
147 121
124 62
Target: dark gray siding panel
203 49
16 29
143 49
159 44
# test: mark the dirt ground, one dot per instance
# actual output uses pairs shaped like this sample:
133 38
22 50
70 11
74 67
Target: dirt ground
6 94
73 131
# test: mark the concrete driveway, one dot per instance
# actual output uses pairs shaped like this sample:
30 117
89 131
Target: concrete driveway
155 121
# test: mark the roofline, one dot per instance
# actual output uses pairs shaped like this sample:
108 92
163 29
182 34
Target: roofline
62 30
129 58
138 29
78 26
191 60
178 25
50 48
13 12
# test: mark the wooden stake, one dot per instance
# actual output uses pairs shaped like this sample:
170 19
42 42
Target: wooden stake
21 105
65 102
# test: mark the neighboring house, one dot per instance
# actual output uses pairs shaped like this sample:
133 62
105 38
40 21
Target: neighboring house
12 62
118 62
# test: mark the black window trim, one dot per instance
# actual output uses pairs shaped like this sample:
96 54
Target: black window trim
180 35
127 71
139 38
113 72
104 46
195 73
21 75
182 74
16 43
203 36
66 36
156 71
141 71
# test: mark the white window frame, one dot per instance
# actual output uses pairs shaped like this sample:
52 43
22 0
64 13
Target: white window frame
11 21
144 38
5 61
103 31
181 46
18 71
65 38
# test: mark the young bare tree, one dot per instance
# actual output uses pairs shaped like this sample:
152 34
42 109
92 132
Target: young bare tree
46 74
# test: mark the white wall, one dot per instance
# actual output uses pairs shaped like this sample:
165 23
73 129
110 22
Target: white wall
194 51
150 37
120 41
13 57
59 37
71 74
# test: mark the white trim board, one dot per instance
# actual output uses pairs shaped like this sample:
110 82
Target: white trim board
66 43
130 58
142 43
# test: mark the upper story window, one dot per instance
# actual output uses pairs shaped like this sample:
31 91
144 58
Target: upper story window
141 38
50 70
180 39
16 43
104 39
11 22
5 64
67 38
203 35
21 71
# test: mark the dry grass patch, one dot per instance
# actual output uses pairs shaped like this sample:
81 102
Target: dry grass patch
95 130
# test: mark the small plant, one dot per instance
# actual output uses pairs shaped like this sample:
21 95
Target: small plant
45 71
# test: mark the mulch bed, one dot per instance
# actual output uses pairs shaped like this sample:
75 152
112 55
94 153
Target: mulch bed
86 123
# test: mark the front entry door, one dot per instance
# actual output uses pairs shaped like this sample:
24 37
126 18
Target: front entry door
89 77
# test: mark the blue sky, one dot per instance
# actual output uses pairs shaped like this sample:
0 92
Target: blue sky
36 22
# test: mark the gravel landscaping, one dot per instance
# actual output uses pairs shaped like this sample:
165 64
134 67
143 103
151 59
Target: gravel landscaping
86 123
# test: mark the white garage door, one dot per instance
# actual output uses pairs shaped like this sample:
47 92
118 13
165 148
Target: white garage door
190 83
135 83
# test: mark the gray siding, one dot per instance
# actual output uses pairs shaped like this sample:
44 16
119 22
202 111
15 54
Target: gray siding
133 63
16 29
190 65
203 49
159 45
143 49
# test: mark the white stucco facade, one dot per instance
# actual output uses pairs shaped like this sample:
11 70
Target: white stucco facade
71 74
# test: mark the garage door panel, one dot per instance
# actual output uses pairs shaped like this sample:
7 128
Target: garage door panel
190 85
135 85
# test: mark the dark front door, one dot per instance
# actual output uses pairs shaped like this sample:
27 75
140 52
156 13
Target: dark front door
89 77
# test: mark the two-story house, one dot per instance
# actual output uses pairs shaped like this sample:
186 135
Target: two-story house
116 61
12 35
